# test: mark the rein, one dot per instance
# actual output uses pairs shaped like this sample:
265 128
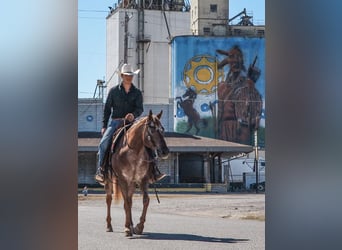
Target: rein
125 133
147 127
155 190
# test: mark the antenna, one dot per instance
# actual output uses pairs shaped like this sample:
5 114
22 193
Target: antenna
100 86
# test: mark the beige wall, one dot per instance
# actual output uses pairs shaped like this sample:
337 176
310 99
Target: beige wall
201 16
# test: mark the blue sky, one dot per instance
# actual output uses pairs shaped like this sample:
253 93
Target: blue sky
92 37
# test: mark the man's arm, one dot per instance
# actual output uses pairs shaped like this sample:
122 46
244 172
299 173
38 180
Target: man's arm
107 110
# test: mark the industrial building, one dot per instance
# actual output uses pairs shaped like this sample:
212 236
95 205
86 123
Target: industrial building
144 34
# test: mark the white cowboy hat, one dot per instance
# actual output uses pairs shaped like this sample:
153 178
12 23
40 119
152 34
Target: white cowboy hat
127 69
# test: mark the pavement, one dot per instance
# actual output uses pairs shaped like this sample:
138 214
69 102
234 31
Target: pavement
179 221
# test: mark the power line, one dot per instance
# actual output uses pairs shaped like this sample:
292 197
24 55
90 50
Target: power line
99 18
93 11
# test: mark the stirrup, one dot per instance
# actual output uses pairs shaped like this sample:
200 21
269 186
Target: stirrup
99 176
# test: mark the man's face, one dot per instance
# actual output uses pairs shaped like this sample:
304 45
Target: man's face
235 60
127 78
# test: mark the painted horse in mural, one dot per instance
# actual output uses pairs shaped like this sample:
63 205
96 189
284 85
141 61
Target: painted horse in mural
187 105
130 166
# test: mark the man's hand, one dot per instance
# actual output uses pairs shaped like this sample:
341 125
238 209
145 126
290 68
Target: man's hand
103 130
129 117
253 73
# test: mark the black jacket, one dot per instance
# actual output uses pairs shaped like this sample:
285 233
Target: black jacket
119 103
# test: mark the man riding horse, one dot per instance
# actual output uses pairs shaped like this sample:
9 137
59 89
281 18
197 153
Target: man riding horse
124 102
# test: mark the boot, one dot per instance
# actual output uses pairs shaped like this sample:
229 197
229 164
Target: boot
99 176
157 175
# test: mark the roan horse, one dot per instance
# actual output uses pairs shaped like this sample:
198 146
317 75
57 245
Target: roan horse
131 164
188 106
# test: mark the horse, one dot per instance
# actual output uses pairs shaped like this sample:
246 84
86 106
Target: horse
135 152
188 106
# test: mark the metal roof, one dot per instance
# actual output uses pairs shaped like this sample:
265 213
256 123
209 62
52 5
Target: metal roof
182 143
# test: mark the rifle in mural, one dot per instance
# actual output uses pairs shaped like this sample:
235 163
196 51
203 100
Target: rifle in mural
253 72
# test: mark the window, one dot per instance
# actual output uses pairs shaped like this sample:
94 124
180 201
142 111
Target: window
261 33
213 7
237 32
206 31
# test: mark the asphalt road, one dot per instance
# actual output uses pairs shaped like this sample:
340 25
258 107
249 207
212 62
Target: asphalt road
180 221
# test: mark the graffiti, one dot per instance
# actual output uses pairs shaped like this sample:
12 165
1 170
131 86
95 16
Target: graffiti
239 102
229 96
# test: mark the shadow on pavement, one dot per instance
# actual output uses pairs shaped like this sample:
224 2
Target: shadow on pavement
186 237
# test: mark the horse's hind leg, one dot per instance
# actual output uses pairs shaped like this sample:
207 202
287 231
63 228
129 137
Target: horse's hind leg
146 201
190 123
197 129
109 219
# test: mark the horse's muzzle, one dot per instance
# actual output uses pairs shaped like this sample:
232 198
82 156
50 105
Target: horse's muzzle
163 153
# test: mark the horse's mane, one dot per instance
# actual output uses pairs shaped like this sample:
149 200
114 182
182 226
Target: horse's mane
139 120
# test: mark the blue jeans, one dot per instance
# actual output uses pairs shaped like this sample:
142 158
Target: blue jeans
107 139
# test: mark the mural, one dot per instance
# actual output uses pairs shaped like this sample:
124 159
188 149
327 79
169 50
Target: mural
218 84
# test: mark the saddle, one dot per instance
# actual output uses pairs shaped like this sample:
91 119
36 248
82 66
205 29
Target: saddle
113 147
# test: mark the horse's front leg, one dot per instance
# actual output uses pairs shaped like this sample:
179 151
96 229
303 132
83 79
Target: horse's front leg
139 228
128 210
109 219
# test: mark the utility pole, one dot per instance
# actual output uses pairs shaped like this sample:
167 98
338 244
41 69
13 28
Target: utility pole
256 167
126 37
141 45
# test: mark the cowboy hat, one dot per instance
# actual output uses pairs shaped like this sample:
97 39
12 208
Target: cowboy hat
127 69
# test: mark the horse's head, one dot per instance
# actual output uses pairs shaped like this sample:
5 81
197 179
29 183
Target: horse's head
190 93
154 135
234 59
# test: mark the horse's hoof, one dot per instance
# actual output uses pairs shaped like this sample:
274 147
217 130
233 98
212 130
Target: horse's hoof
128 232
109 229
138 229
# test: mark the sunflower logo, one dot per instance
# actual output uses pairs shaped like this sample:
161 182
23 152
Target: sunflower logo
202 74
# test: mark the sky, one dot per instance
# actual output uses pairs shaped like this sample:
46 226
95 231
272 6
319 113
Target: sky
92 37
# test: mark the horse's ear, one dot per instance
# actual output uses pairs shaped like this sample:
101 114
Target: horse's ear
160 114
150 115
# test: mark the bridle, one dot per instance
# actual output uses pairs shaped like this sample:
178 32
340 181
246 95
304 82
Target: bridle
149 126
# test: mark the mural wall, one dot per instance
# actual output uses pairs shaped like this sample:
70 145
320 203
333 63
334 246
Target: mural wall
218 86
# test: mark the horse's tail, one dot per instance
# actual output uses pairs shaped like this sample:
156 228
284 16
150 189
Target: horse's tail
116 190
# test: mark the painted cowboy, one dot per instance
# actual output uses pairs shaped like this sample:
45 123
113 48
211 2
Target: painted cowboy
239 102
